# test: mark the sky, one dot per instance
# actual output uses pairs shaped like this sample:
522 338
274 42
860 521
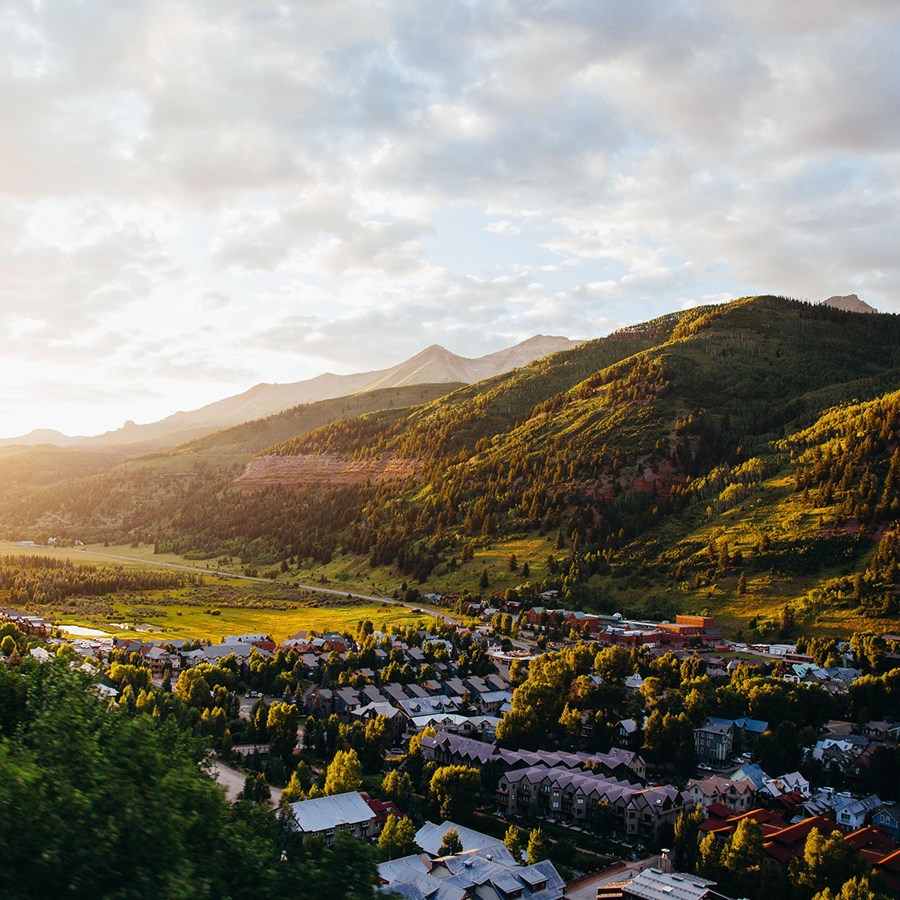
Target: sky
199 196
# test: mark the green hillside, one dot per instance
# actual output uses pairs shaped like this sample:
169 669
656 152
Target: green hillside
735 458
100 495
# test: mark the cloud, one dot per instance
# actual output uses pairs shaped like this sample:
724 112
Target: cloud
184 187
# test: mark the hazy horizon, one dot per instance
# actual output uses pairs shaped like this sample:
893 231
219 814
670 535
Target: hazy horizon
197 198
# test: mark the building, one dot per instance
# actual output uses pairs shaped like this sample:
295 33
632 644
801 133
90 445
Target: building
452 749
716 740
854 812
469 876
713 742
738 796
325 817
591 800
887 819
430 836
655 884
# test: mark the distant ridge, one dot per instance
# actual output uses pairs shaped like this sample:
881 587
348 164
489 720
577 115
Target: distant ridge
434 365
850 303
41 436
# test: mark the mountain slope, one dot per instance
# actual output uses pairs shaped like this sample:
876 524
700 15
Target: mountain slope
435 365
667 467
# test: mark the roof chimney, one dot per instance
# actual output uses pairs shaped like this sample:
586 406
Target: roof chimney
665 862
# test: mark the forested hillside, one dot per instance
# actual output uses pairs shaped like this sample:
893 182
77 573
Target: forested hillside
740 458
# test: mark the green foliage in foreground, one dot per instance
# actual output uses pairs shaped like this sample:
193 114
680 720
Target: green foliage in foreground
94 803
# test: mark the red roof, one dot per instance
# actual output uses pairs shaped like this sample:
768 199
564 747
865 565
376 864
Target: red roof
870 838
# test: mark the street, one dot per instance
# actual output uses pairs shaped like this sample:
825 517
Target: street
233 782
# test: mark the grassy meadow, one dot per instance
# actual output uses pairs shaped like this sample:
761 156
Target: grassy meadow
220 606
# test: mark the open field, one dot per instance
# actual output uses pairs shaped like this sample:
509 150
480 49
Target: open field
220 606
185 620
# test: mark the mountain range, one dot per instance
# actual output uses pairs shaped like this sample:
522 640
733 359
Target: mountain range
740 459
434 365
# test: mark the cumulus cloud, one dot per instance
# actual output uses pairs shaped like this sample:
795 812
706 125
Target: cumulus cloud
188 188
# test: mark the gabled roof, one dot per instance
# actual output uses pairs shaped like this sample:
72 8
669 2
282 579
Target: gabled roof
324 813
652 884
430 836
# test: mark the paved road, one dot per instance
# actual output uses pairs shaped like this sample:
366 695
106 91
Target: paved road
233 781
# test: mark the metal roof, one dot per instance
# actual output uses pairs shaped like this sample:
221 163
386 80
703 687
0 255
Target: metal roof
324 813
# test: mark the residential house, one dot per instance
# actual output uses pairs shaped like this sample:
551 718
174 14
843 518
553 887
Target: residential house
629 732
655 884
325 817
430 836
887 819
738 796
591 800
713 742
855 812
473 875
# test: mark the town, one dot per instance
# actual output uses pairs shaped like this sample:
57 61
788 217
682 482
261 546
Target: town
529 751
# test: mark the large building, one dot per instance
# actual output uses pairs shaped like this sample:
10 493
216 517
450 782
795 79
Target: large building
585 798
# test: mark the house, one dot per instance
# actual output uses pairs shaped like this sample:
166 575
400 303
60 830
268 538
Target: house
713 742
792 782
590 800
887 819
746 731
430 836
654 884
382 810
752 772
877 731
324 817
853 812
629 733
473 875
738 796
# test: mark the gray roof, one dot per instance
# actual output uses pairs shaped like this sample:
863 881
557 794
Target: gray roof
323 813
473 870
379 709
652 884
429 838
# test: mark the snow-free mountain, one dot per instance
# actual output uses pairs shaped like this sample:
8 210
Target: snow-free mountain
434 365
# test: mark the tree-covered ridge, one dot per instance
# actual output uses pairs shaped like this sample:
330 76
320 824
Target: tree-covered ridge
850 459
44 580
655 453
459 421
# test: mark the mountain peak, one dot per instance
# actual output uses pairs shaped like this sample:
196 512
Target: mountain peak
849 303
